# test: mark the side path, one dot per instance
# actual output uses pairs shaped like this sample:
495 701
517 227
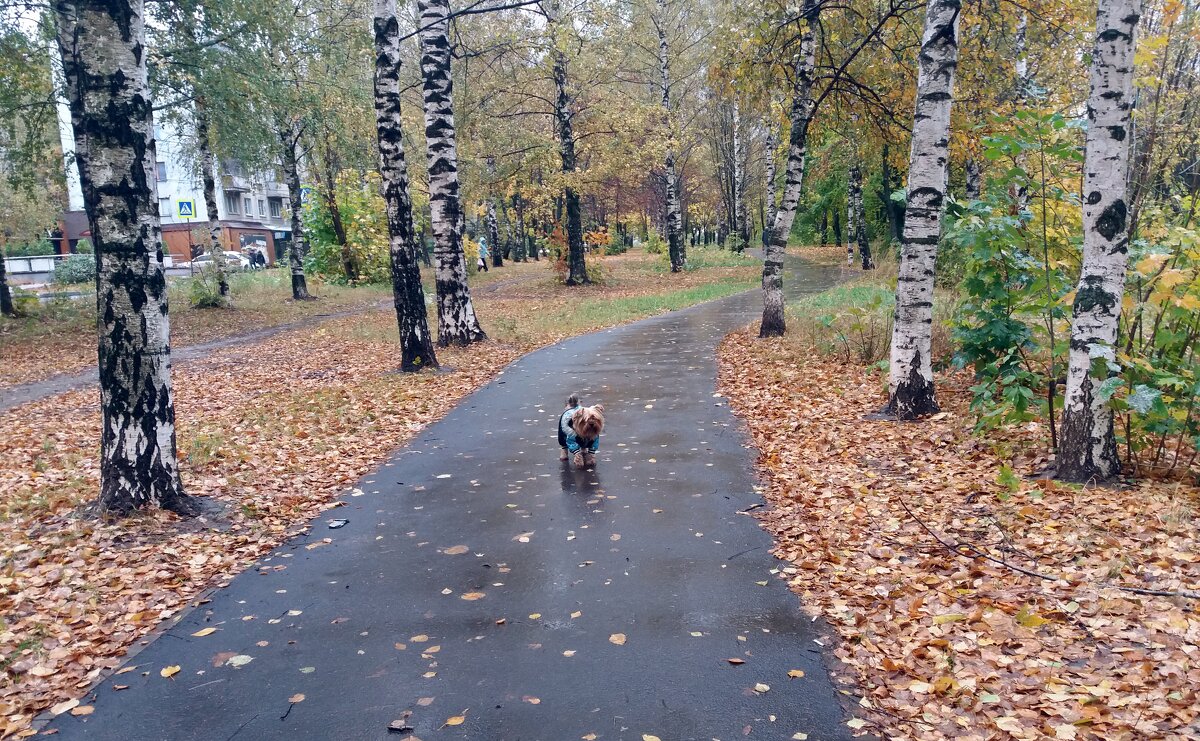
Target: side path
35 390
482 590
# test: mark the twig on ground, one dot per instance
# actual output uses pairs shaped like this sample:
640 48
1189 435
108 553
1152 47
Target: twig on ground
973 551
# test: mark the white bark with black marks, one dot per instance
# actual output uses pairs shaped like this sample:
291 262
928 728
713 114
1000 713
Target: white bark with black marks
289 133
1087 445
769 147
859 234
104 59
457 323
493 226
853 196
208 181
408 296
676 249
773 323
741 216
911 370
564 114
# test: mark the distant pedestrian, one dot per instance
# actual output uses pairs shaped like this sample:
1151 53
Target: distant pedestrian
483 254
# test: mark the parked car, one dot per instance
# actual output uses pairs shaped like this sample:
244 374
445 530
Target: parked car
233 261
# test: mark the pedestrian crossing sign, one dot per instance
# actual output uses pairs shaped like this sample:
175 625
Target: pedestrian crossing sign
187 209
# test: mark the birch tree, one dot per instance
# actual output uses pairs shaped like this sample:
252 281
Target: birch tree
674 214
853 196
103 50
457 323
773 323
290 129
772 194
910 382
408 295
564 113
1087 444
493 227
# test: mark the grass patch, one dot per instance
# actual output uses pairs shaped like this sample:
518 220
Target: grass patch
699 258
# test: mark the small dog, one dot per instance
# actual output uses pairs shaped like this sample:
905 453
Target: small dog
579 430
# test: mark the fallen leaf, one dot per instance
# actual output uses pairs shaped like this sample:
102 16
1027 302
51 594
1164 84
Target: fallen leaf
795 673
238 660
64 706
83 710
298 697
617 639
735 661
455 720
531 700
762 687
204 632
472 596
456 550
169 671
425 701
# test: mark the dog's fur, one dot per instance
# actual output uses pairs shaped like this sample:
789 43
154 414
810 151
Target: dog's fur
588 423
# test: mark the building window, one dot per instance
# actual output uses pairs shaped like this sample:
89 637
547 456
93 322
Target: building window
233 204
262 207
161 171
164 206
276 208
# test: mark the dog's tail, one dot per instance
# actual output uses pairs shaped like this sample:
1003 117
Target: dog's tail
573 400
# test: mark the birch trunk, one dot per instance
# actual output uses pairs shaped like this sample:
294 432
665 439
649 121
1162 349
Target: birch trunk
408 296
493 227
974 178
519 207
289 138
741 217
457 323
209 184
864 239
103 51
773 324
674 217
853 195
563 115
6 302
1087 446
771 145
911 371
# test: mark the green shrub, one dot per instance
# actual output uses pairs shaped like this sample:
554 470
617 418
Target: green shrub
204 289
76 269
655 246
30 249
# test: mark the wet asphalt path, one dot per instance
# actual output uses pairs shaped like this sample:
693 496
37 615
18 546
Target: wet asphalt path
479 578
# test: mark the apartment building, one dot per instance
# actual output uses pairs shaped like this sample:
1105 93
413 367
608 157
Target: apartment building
252 206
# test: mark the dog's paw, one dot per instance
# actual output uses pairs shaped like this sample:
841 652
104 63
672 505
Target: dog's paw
562 454
589 459
577 459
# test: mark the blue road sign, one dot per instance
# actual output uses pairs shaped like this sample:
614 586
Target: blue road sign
187 209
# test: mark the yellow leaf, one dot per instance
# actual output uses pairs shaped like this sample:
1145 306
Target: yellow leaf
949 617
83 710
1030 619
456 550
169 671
298 697
472 596
617 639
856 723
456 720
796 673
761 687
650 737
204 632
